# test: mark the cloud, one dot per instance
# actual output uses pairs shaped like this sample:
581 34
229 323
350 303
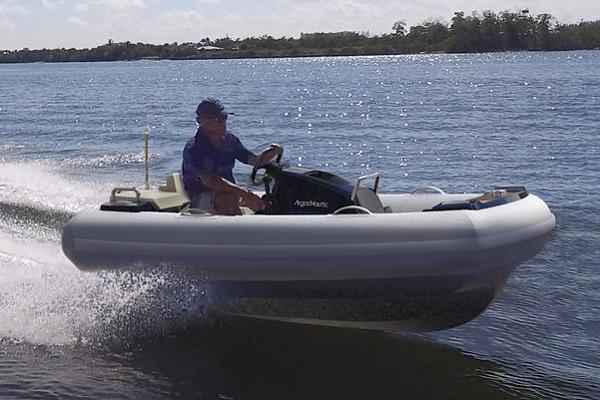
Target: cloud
50 4
156 21
121 5
9 7
182 19
5 23
290 18
81 7
8 10
76 20
180 26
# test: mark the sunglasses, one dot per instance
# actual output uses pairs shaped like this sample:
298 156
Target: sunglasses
219 120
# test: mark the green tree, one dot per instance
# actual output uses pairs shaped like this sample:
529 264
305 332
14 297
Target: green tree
399 28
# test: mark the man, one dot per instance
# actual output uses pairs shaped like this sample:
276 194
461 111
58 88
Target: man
208 160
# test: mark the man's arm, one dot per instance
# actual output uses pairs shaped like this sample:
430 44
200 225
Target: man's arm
268 154
252 159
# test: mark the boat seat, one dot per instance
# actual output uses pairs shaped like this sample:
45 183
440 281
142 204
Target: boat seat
169 197
367 198
173 184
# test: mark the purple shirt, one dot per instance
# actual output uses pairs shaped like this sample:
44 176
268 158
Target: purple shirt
200 157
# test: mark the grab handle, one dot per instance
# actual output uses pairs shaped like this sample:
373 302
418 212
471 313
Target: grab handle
113 193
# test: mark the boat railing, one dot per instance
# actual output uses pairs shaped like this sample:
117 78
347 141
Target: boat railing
375 176
354 208
427 189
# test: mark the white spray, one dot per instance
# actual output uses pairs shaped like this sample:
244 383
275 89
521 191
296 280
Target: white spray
44 299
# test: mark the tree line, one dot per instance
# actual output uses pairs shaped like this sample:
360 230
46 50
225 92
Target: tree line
479 32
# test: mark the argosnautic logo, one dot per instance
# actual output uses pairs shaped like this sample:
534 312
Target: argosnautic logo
311 203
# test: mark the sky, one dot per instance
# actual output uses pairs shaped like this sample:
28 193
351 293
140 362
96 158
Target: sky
37 24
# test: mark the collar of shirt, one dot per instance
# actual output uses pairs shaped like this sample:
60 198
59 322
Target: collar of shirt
202 137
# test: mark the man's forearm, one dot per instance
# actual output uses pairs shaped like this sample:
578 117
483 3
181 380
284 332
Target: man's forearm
252 159
219 184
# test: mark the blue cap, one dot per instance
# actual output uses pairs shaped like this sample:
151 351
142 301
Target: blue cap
211 108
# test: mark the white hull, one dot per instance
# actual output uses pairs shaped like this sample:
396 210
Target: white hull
406 270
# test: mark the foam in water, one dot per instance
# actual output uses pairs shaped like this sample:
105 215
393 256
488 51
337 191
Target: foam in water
34 184
45 300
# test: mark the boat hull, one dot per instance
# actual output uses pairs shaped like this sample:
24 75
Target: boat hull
408 304
399 304
404 271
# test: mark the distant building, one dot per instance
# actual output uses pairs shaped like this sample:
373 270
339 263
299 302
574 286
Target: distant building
328 35
209 48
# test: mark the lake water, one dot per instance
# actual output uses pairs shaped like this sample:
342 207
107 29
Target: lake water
69 132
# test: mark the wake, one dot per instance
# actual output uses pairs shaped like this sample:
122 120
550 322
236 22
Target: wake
45 300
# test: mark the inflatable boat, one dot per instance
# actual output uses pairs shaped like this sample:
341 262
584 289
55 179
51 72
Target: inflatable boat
325 250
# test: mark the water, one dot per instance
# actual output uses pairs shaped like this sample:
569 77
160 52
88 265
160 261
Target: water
69 132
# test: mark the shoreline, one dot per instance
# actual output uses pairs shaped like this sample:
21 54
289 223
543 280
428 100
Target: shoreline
283 56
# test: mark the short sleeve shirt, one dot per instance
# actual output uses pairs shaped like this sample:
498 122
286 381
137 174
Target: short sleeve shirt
201 157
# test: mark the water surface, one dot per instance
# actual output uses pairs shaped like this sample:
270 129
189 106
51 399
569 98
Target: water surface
69 132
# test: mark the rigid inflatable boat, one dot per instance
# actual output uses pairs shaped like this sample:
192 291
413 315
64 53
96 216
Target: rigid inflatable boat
325 251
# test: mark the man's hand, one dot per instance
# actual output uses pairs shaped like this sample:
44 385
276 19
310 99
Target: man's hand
252 200
268 154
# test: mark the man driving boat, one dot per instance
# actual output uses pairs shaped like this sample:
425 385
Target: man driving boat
208 161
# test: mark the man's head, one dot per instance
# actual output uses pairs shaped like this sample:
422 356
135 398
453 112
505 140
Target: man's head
211 116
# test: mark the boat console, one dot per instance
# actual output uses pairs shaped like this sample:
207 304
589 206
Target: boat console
297 190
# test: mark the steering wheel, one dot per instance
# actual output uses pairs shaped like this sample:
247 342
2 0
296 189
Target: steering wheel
260 163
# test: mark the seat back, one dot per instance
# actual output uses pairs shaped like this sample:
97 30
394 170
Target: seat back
173 184
367 198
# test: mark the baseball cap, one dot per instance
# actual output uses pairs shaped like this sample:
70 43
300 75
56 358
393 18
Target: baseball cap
211 108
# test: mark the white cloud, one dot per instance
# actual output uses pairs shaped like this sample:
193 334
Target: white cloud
50 4
81 7
76 20
179 26
295 17
157 21
182 19
5 23
122 5
9 7
7 11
